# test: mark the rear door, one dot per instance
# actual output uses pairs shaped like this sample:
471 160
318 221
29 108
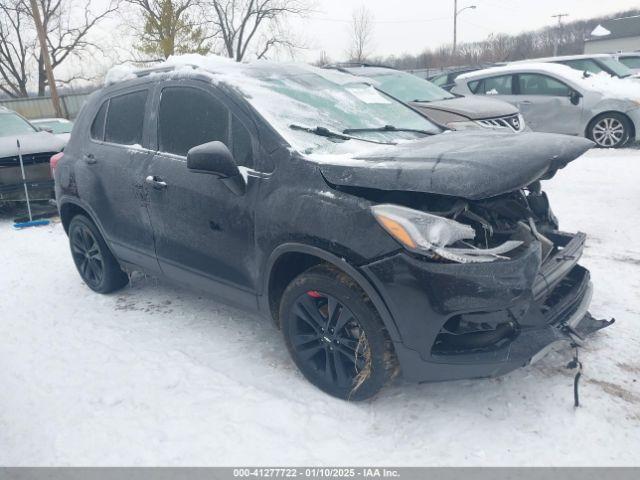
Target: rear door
545 104
111 171
204 232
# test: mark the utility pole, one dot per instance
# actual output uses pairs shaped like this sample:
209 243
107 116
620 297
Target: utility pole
559 16
457 12
46 59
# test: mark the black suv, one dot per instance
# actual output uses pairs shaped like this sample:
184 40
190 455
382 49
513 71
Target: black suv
378 244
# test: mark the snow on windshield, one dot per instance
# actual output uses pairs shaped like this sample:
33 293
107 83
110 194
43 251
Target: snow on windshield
286 94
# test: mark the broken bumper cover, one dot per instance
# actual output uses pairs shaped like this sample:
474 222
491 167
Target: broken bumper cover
535 305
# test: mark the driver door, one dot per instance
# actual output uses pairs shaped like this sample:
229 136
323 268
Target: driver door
545 104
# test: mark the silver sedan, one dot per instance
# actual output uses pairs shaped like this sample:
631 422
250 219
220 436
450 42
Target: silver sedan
557 99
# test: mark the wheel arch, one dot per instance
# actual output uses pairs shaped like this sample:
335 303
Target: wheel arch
632 127
289 260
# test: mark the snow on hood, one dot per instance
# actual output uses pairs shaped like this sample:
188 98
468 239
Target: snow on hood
466 164
38 142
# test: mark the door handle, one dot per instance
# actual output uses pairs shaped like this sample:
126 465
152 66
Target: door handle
155 181
90 158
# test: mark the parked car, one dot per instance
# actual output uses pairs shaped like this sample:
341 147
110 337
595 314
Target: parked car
594 64
375 242
629 59
447 80
36 148
558 99
60 127
453 111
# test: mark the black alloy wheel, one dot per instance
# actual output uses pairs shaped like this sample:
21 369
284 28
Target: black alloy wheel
96 264
335 335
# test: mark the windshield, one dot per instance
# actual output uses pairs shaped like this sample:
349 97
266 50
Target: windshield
302 97
12 124
616 67
56 126
409 88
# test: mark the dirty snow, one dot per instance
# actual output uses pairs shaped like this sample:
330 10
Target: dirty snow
155 374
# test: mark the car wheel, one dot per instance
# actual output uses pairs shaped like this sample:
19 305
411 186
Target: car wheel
335 335
96 264
610 130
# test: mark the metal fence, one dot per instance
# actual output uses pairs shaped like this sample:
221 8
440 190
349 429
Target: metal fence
42 107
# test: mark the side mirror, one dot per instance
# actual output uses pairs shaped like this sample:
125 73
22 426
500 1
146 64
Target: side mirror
216 159
575 97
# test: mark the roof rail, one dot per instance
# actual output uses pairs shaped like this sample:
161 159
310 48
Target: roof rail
340 65
161 69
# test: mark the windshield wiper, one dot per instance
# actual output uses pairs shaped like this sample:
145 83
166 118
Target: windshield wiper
325 132
387 128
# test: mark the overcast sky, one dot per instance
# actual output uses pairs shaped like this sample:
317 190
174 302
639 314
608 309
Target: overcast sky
413 25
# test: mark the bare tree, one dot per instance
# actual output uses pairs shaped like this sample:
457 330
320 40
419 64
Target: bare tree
254 26
67 35
170 27
68 32
361 34
17 44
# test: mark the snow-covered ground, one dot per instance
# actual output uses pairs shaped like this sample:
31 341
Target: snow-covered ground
157 375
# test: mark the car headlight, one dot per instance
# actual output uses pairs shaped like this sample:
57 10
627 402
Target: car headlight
465 125
432 235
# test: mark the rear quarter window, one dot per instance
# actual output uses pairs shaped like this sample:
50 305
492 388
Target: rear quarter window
97 127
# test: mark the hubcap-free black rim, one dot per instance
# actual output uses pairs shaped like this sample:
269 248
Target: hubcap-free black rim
87 255
328 339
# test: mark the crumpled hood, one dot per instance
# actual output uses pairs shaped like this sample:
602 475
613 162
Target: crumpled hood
38 142
467 164
472 107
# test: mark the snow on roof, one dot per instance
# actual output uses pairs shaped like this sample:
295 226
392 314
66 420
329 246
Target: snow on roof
601 82
284 94
600 31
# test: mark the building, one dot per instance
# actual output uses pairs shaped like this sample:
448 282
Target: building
615 35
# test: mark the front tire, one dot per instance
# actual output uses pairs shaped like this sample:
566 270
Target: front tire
610 130
335 335
96 264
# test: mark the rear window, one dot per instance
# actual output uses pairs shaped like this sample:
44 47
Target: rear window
125 118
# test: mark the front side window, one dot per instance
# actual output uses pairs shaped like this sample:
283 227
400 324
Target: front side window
189 117
13 124
536 84
125 118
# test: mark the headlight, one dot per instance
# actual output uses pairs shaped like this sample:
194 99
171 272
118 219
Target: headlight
466 125
429 234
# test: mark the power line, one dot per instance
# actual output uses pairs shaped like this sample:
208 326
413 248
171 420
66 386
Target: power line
340 20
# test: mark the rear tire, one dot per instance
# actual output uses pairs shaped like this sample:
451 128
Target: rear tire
335 335
610 130
96 264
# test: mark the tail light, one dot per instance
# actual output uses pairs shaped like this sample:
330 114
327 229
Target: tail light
54 162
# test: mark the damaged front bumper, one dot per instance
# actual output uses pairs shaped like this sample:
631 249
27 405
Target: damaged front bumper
479 320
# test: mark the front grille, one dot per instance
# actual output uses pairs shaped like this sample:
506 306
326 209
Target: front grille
512 122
